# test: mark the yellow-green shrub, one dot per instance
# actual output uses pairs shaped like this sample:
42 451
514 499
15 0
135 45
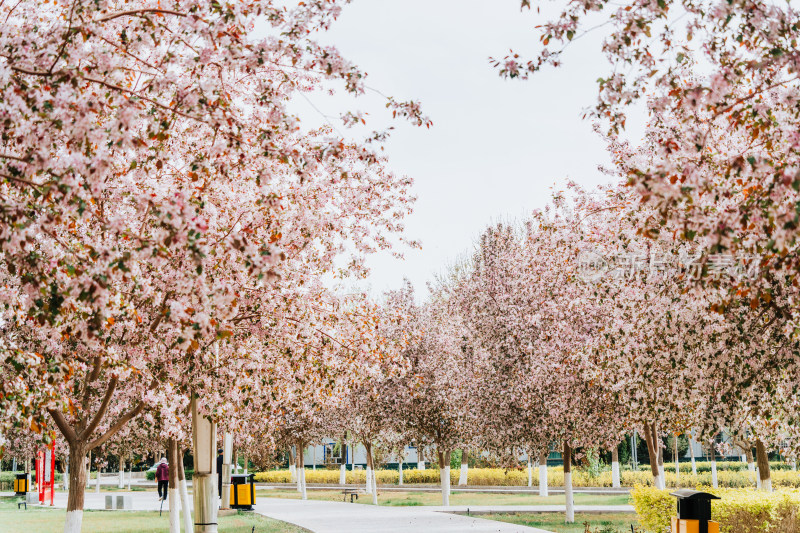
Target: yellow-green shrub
555 477
738 510
653 507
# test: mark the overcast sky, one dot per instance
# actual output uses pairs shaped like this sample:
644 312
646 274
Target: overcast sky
497 147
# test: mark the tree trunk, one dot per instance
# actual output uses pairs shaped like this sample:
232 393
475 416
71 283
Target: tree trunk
174 509
444 476
677 462
763 466
293 466
691 452
372 486
301 475
570 502
400 472
751 464
97 468
660 446
713 453
227 453
121 483
185 512
130 470
462 476
368 471
343 467
77 488
530 471
652 452
420 459
543 492
615 466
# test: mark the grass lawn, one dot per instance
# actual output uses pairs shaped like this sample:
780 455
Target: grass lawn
456 498
45 520
599 523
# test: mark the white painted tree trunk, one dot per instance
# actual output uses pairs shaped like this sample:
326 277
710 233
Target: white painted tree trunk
172 487
662 477
293 473
97 484
570 501
615 474
368 487
302 476
794 465
130 472
121 484
762 460
444 477
657 481
543 490
73 522
66 475
530 473
374 488
714 482
462 475
421 465
185 509
691 451
245 471
174 511
400 472
227 456
343 475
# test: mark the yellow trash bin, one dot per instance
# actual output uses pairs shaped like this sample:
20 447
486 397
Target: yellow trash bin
243 493
22 484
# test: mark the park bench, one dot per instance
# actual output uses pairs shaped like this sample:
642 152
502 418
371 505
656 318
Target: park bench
353 493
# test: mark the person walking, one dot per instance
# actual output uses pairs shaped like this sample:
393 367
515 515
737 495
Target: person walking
162 475
219 472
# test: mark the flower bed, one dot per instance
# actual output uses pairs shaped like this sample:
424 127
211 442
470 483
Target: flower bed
738 510
555 477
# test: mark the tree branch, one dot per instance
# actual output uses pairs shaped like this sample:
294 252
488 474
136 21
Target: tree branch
90 378
63 426
119 424
98 416
137 12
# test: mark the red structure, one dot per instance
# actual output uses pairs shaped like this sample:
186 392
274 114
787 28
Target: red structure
45 474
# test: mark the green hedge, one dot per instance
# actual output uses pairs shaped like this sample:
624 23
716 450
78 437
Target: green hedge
152 475
738 510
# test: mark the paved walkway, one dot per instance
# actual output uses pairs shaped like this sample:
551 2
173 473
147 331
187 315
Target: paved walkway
337 517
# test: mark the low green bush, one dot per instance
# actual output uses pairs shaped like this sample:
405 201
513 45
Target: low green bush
738 510
151 476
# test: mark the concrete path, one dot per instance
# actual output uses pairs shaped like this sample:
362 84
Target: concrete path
337 517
